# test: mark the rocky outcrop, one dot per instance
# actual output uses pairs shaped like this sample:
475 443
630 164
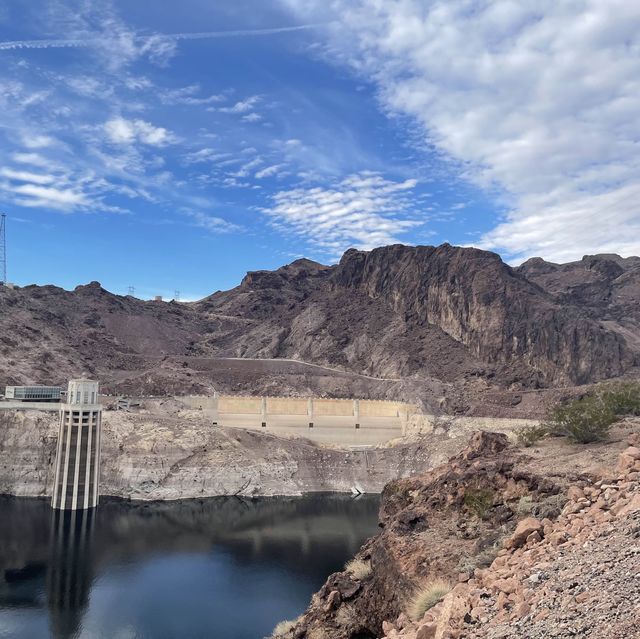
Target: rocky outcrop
490 505
575 576
438 325
496 312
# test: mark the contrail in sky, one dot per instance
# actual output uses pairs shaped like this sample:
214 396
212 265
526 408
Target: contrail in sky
92 42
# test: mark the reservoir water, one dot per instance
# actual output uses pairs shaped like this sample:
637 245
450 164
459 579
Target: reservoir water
222 568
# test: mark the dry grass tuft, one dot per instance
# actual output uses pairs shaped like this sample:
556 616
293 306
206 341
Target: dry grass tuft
427 597
358 568
283 629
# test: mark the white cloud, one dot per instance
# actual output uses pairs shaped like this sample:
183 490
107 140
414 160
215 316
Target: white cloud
537 102
243 106
211 223
247 167
34 141
364 210
252 117
206 155
26 176
122 131
35 159
269 171
188 95
48 197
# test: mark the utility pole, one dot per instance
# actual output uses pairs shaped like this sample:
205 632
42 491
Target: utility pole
3 249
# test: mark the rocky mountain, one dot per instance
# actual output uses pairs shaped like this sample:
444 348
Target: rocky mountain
422 322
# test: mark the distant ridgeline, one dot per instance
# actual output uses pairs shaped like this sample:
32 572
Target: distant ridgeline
338 421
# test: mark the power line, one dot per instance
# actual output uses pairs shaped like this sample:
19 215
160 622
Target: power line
3 249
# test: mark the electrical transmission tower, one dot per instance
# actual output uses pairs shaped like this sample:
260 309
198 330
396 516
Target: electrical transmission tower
131 291
3 249
176 296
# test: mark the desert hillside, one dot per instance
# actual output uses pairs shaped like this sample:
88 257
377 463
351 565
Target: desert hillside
497 543
440 325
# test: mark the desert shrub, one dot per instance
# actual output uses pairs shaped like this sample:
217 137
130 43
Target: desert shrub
548 507
283 629
584 420
623 398
468 563
479 501
524 506
427 597
358 568
530 435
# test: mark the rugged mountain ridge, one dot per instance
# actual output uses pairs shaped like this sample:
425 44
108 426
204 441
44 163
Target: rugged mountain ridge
495 311
420 320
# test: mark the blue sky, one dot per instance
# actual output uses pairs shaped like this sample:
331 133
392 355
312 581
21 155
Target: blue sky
174 146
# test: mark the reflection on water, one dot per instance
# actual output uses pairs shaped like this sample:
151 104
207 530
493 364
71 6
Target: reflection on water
69 580
225 568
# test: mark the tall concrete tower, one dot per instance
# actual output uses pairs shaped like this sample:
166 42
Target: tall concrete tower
78 456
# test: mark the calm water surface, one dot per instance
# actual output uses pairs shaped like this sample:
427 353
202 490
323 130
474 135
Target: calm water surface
224 568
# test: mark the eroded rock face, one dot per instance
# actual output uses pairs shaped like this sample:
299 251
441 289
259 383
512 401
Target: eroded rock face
495 311
148 457
432 525
522 555
574 576
427 324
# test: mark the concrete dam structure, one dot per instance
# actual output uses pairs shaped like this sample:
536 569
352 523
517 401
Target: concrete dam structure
342 422
77 471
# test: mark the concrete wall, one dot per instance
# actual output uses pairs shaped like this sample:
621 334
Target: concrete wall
18 405
343 422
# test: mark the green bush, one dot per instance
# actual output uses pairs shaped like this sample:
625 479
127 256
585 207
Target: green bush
589 418
479 501
583 420
623 398
530 435
427 597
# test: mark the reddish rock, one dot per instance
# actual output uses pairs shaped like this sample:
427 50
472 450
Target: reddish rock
523 530
427 631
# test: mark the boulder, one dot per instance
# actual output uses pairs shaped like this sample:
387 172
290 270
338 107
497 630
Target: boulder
523 530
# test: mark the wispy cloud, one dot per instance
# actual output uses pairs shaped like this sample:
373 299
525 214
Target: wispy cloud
243 106
364 210
247 167
149 43
269 171
189 95
26 176
52 191
536 102
211 223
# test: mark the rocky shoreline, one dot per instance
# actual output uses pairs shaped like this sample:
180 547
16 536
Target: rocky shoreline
530 544
153 457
